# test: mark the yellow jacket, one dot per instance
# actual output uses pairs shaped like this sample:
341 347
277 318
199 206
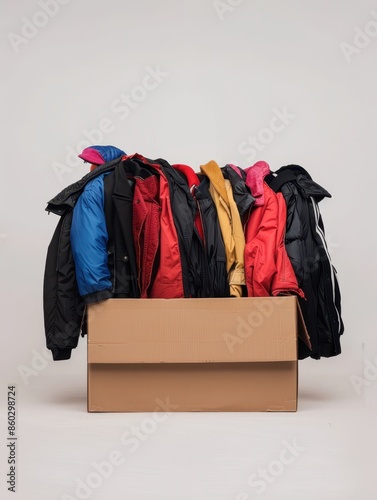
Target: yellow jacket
230 225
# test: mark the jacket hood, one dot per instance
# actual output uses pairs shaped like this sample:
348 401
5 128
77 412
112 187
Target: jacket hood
303 180
98 155
254 180
188 172
68 196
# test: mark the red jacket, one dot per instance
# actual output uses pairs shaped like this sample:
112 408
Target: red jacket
168 280
268 270
146 228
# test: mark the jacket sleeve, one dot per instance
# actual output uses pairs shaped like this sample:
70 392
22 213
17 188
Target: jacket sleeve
62 305
284 281
89 239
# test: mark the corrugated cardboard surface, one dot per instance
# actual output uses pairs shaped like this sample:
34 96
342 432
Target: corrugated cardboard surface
204 354
193 387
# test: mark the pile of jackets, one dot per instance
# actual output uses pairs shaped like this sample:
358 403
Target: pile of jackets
140 228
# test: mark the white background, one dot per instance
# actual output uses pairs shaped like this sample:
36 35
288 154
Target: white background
227 68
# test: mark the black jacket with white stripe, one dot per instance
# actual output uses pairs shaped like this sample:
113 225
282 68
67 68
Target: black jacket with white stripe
307 249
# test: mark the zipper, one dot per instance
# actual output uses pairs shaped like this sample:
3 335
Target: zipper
203 226
63 219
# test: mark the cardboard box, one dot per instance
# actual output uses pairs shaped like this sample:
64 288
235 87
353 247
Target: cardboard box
233 354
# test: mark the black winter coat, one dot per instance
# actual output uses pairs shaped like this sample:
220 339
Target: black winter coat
307 249
64 309
214 244
196 279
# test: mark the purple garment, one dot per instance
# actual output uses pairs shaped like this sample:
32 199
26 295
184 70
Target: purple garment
254 180
98 155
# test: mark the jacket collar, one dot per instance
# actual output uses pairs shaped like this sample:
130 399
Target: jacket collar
67 197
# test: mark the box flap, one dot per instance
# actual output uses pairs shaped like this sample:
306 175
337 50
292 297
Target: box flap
193 330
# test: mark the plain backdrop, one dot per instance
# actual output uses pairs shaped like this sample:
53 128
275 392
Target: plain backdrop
222 71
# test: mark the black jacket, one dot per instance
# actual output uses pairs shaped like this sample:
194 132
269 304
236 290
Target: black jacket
118 191
194 263
241 193
213 241
307 249
64 309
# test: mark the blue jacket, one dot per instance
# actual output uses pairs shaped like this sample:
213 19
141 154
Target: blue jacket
89 235
89 240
